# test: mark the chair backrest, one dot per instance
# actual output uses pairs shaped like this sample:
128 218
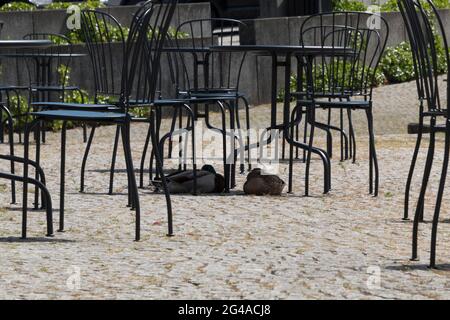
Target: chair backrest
172 70
55 62
352 74
105 42
146 38
130 73
427 38
219 71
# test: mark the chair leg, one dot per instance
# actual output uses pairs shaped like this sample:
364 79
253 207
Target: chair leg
85 157
131 199
133 190
26 155
194 155
11 150
374 171
144 155
84 125
310 146
352 136
232 146
411 170
439 198
305 134
62 177
247 123
38 161
327 128
2 129
242 146
226 168
47 197
172 129
341 130
85 132
113 161
291 154
160 170
418 216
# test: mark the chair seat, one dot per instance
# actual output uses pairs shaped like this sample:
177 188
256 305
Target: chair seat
74 106
219 95
336 95
357 104
6 87
158 102
79 115
54 88
170 102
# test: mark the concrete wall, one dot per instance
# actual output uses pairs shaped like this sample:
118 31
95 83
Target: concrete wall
17 24
255 79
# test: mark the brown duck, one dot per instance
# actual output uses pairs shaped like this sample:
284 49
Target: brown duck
260 184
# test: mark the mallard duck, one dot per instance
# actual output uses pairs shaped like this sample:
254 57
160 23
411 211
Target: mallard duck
208 181
260 184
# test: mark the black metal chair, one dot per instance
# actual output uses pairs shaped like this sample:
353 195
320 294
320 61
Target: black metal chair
426 32
212 78
428 93
137 58
342 82
169 98
10 125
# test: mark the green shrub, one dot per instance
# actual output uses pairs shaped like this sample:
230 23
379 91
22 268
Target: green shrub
397 63
398 66
90 4
391 5
18 6
348 5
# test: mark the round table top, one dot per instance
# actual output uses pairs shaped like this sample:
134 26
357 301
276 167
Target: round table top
24 44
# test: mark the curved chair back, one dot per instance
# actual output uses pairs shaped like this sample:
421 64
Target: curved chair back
427 38
205 70
133 54
145 42
352 74
105 42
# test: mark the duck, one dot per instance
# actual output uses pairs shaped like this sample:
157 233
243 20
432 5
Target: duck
208 181
261 184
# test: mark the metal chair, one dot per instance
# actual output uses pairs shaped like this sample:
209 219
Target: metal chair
426 32
137 58
212 78
343 82
169 98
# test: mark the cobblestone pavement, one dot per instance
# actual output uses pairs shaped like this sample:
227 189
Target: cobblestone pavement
231 246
